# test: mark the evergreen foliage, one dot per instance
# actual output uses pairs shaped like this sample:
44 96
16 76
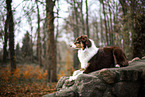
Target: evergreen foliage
26 48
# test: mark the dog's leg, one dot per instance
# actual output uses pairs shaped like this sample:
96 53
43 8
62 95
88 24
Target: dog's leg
115 61
88 68
75 75
120 57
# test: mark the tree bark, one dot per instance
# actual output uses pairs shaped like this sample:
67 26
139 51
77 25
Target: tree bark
87 19
52 77
5 52
11 35
126 40
138 29
39 51
106 28
57 31
82 18
117 25
110 24
76 34
101 27
76 29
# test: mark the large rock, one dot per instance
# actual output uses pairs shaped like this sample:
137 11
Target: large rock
108 82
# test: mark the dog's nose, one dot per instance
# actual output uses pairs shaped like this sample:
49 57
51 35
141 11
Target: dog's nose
70 45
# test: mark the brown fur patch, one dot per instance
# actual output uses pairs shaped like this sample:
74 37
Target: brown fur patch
105 59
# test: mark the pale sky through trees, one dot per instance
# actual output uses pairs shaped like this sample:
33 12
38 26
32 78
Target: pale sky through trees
23 26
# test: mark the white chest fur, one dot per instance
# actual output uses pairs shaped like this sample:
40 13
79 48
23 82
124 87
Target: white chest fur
86 54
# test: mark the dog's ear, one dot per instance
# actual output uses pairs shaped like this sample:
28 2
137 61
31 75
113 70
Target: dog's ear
88 43
84 38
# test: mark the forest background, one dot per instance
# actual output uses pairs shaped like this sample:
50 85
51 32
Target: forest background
35 36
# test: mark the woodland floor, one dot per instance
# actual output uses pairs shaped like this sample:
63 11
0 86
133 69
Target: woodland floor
27 81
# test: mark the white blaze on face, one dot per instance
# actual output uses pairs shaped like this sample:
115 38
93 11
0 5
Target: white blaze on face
73 45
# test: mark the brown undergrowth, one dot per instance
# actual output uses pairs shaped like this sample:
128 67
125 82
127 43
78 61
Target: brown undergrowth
26 81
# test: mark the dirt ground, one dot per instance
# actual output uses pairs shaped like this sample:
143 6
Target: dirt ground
27 81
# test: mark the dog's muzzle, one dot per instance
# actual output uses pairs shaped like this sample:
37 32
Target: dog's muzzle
73 45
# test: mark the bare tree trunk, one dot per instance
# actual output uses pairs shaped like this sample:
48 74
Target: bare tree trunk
109 34
111 29
82 18
138 29
5 53
51 42
39 51
11 35
76 34
57 30
87 19
126 41
116 42
45 30
32 44
106 29
101 27
95 31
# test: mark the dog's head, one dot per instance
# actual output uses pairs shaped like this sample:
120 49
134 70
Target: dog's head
82 42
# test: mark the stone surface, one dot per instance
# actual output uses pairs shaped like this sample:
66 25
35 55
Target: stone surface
126 89
108 82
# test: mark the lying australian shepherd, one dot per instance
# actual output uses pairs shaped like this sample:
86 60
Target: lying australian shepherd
93 58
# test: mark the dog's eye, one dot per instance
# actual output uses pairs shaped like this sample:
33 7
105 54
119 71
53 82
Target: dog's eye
77 41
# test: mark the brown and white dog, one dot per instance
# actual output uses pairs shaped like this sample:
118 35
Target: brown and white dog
93 58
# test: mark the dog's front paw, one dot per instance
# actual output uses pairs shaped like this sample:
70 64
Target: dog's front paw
117 65
71 78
